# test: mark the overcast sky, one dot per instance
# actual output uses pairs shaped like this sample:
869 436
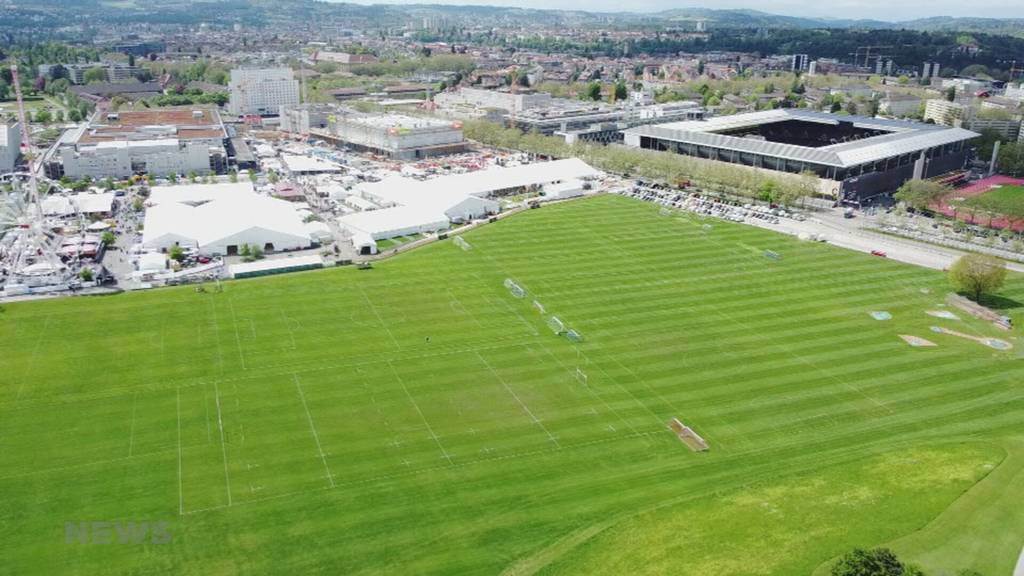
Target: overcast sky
873 9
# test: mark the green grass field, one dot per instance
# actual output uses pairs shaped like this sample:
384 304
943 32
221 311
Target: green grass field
1000 200
416 418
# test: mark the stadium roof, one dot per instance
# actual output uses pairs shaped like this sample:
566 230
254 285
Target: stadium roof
902 138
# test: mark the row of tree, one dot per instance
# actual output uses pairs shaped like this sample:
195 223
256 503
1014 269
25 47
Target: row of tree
715 177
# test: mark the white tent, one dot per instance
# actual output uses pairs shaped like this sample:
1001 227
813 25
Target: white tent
218 219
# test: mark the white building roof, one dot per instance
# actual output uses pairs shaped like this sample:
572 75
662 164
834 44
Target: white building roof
434 203
86 203
307 164
275 264
197 193
203 214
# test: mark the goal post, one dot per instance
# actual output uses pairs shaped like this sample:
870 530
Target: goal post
514 288
461 243
556 325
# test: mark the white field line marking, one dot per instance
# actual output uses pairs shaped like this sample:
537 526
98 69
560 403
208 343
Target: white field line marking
238 340
131 430
789 351
181 494
379 319
420 412
591 390
516 396
288 325
32 357
223 446
408 473
216 334
456 300
312 428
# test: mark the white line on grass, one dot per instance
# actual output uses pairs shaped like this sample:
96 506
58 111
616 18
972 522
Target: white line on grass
181 494
516 396
131 429
223 446
312 428
32 357
408 473
379 319
592 391
420 412
216 334
238 340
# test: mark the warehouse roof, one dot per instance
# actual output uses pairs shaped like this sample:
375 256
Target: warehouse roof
901 137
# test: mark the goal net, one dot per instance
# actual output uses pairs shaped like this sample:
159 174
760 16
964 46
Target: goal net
665 212
539 307
556 325
573 336
772 255
581 376
461 243
515 289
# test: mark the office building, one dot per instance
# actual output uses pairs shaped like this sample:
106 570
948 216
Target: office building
262 91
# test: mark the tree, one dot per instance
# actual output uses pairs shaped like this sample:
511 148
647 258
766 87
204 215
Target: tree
43 116
919 194
272 177
877 562
594 91
85 275
951 93
108 238
621 93
95 74
253 176
233 175
177 253
978 274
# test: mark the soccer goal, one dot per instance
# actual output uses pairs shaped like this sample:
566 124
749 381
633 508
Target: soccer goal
665 211
772 255
573 335
539 307
515 289
556 325
581 376
461 243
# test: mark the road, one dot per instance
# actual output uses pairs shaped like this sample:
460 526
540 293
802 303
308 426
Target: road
848 233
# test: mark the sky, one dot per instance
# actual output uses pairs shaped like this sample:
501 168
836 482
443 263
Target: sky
855 9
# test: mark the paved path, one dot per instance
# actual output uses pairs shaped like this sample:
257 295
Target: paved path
847 234
1019 570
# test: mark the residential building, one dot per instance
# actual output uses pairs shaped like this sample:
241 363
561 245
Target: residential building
943 112
262 91
899 105
10 145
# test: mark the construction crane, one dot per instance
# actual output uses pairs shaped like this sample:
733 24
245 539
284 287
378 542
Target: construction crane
514 76
35 260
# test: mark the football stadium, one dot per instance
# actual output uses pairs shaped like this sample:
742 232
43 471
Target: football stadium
857 157
594 387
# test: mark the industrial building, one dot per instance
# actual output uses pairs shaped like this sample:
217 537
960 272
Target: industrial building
404 206
157 142
859 157
218 219
395 135
262 91
10 145
479 98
